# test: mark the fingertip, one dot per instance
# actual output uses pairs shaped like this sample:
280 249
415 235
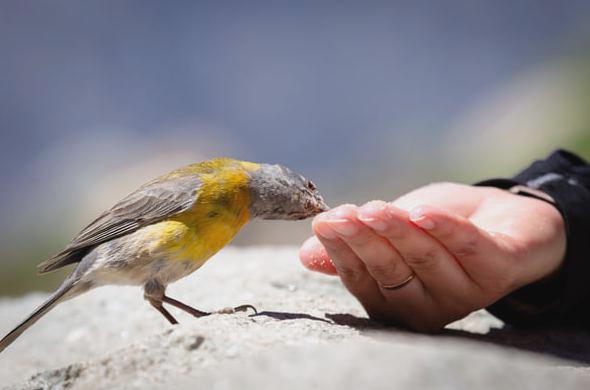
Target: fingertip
319 224
423 216
344 211
438 222
319 218
430 217
374 215
313 256
309 246
322 228
458 234
372 209
374 205
395 212
433 210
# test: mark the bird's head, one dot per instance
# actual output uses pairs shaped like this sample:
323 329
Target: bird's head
279 193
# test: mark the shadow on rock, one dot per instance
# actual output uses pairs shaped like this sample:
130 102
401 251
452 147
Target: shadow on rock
356 322
567 344
282 316
562 343
570 344
330 318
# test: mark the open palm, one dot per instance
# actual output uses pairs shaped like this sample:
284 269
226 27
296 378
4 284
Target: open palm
467 247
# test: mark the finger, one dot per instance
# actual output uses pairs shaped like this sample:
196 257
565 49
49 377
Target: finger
459 235
314 257
350 268
381 259
384 265
439 271
462 238
387 267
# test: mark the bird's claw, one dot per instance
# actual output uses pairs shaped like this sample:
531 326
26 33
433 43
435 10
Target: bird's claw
232 310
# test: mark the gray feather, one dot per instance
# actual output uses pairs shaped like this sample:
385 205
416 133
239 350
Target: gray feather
153 202
53 300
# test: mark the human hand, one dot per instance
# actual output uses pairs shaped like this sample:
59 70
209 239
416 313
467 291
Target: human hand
467 247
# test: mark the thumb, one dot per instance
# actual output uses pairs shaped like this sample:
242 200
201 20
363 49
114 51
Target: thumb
313 256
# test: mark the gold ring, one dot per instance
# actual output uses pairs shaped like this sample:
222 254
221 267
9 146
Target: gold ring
398 285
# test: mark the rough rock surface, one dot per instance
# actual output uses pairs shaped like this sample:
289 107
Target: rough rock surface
309 333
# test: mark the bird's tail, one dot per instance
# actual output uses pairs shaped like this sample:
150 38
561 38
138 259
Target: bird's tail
58 296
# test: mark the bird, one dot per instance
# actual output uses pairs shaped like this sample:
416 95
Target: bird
170 226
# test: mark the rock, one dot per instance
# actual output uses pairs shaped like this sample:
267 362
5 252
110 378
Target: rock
309 333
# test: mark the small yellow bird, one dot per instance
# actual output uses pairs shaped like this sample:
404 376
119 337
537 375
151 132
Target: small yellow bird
171 225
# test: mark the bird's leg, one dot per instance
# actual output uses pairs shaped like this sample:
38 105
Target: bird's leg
199 313
161 309
182 306
153 292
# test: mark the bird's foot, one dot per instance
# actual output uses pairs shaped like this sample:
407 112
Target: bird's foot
232 310
199 313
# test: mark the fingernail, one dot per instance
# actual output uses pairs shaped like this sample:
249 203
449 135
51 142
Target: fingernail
374 223
343 227
325 231
421 220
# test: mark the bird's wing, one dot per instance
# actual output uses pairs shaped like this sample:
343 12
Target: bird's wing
153 202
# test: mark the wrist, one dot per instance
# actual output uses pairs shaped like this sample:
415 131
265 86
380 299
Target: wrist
566 178
543 239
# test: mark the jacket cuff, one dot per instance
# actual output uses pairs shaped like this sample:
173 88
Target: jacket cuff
564 297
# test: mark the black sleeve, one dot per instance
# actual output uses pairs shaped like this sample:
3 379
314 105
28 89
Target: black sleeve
564 298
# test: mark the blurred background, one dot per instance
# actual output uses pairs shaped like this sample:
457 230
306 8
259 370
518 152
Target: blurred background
368 99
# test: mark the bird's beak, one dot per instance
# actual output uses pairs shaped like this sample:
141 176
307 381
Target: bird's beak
322 206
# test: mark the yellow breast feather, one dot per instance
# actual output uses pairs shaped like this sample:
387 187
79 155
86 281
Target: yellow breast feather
220 211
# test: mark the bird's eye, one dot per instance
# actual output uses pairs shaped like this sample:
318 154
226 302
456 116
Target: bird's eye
310 185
